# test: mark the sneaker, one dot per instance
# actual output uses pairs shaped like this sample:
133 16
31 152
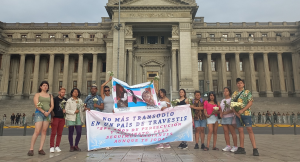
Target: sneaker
76 148
196 146
57 149
255 152
42 152
167 145
227 148
202 146
30 153
180 146
185 146
240 151
159 146
71 148
52 150
233 149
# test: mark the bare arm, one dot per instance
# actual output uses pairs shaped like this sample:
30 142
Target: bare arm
187 101
36 101
102 87
52 104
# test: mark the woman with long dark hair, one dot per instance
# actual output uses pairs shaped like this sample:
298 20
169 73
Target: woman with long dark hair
74 118
212 118
42 116
227 118
183 101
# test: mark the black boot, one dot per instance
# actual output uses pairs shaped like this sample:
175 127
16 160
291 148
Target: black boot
196 146
255 152
240 151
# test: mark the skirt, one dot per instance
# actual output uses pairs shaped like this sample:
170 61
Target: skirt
212 119
76 122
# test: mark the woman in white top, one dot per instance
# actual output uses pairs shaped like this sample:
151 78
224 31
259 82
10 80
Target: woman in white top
164 103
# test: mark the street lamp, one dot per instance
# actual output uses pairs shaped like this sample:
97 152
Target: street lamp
207 88
117 27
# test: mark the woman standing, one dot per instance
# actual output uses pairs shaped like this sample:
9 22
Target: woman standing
183 101
74 118
12 118
24 118
212 119
163 103
283 118
227 116
42 116
4 118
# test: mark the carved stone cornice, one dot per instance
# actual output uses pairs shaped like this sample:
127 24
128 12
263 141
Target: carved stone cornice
55 49
152 63
244 48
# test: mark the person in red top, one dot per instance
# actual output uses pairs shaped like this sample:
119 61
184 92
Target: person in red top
211 111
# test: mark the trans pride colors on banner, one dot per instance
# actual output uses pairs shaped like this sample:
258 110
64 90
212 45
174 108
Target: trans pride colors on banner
140 97
138 128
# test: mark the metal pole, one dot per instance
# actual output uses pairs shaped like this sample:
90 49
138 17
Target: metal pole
118 41
25 127
1 128
272 124
295 131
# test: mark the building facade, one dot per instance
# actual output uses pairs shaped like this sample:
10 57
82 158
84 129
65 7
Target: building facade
157 37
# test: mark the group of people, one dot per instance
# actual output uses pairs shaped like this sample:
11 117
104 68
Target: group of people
275 117
18 119
59 110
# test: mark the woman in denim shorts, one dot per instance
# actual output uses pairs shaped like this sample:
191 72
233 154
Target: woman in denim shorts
42 116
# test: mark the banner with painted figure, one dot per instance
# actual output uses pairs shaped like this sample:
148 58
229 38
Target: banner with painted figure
140 97
138 128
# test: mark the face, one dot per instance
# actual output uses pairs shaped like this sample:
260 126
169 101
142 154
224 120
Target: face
181 93
62 93
197 96
75 93
106 91
240 84
44 87
93 90
211 97
161 94
226 92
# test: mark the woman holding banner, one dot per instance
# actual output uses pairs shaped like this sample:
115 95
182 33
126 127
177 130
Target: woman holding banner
183 101
164 103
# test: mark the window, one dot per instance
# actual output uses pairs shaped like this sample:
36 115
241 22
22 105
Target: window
292 34
76 66
264 35
257 85
227 65
229 84
211 35
23 36
78 36
238 35
162 40
251 35
60 84
213 65
90 66
104 66
66 36
152 39
1 61
142 40
241 65
255 64
278 34
225 37
52 36
199 35
215 86
89 86
61 66
9 36
74 84
92 37
201 86
38 36
200 65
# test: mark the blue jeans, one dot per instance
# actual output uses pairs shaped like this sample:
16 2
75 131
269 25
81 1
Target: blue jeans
40 117
245 119
200 123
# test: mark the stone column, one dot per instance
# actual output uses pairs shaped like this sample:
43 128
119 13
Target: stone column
130 67
21 77
209 72
281 76
267 76
50 72
66 69
5 76
237 65
79 73
295 62
252 74
35 83
174 72
94 72
224 71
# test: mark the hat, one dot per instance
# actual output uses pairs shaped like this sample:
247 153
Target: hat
94 85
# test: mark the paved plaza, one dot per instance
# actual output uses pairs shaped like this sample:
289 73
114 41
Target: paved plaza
276 148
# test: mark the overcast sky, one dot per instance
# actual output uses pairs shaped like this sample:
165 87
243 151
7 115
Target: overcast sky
81 11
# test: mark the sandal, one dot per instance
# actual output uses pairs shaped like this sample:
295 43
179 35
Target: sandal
108 148
206 149
215 148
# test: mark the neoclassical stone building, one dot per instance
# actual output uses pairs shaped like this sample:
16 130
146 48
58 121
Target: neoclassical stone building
157 37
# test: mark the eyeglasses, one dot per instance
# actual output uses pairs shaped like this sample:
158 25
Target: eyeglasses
106 90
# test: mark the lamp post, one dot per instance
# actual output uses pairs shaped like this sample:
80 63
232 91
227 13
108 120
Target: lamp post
117 27
207 86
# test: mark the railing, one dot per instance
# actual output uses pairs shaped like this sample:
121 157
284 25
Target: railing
247 39
54 40
245 24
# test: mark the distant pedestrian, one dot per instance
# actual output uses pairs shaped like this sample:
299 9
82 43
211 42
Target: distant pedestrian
259 117
279 118
263 118
4 118
17 118
298 117
24 118
288 117
268 115
275 117
12 118
283 118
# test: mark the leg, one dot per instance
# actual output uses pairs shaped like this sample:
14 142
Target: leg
202 134
215 132
234 137
251 135
71 132
44 133
37 130
54 125
197 134
60 129
226 134
241 136
78 134
210 132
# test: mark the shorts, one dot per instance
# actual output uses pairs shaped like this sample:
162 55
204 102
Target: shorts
40 117
200 123
212 119
227 121
245 119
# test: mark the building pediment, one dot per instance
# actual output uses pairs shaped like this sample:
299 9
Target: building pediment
152 2
152 63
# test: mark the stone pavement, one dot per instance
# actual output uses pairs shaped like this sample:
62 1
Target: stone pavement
275 148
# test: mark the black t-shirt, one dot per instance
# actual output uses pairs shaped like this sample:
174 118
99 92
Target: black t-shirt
58 113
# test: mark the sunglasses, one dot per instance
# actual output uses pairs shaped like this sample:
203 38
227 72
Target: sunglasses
107 91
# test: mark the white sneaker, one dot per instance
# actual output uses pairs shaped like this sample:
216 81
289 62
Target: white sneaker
57 149
234 149
52 150
227 148
159 146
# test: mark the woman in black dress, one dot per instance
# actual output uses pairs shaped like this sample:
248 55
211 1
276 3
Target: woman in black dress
183 101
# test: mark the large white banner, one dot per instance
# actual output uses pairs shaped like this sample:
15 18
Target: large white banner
138 128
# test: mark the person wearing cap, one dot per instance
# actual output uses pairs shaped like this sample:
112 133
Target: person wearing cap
244 116
90 104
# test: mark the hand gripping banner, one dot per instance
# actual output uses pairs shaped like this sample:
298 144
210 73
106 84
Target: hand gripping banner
138 128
